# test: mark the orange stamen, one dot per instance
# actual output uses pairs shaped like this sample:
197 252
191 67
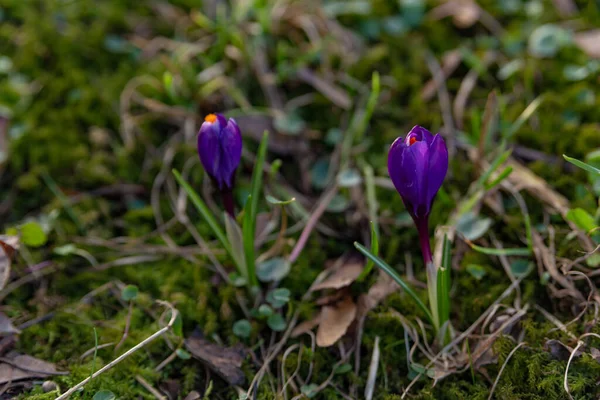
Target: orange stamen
412 141
210 118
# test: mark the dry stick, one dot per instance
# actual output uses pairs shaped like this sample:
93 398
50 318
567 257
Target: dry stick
566 381
149 387
272 355
312 221
502 369
372 371
123 356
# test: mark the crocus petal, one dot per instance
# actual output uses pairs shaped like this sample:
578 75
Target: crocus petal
438 166
220 149
407 166
420 134
231 152
208 148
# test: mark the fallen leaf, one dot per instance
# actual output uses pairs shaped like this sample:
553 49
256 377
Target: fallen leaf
193 395
306 326
6 252
559 350
332 297
225 361
342 277
377 293
589 42
335 321
16 367
6 326
595 354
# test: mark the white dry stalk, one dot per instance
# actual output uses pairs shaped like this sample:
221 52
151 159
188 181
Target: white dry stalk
123 356
372 371
513 351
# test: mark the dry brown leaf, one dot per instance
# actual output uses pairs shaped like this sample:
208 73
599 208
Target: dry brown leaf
335 321
15 367
343 277
559 350
379 291
306 326
6 326
589 42
332 297
193 395
6 252
225 361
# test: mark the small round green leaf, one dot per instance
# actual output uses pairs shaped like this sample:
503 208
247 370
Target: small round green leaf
473 227
129 293
520 268
242 328
349 178
184 355
476 271
104 395
274 269
342 369
265 310
309 391
276 322
32 234
278 297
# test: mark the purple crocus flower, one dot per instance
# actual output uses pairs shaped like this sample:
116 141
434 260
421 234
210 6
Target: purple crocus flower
418 165
220 151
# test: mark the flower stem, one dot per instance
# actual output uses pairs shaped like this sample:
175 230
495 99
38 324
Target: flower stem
431 270
227 198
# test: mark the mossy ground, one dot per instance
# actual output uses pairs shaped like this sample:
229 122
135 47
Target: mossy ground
72 65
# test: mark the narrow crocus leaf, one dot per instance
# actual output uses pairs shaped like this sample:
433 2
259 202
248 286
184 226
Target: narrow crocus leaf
251 209
582 165
208 217
248 239
374 250
394 275
443 283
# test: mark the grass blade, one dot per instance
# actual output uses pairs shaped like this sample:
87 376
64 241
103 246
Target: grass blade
503 175
443 283
501 252
394 275
493 167
374 250
251 209
525 115
248 238
208 217
582 165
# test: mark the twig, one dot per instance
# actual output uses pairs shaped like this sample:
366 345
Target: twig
312 221
149 387
566 381
502 369
123 356
372 371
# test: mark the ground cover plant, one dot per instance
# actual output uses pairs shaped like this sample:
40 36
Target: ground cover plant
299 199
